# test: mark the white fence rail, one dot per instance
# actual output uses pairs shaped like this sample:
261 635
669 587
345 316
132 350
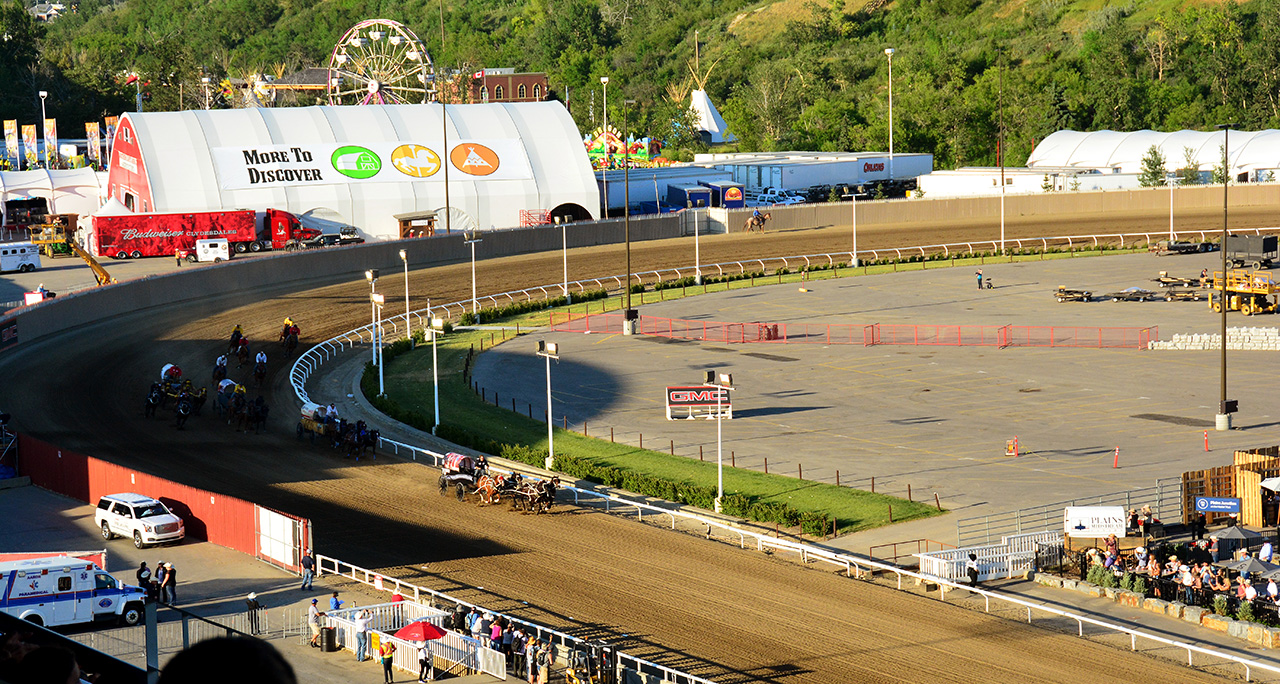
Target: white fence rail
387 618
561 642
309 361
853 566
1013 555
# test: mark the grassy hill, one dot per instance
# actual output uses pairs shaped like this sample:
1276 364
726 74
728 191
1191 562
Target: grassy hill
792 74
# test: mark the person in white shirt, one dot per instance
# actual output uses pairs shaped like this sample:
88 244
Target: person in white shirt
362 634
261 357
1249 592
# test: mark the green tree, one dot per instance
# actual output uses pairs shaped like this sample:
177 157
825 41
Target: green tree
1152 168
1189 174
1220 169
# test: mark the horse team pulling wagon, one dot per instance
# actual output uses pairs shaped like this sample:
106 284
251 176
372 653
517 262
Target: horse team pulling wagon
355 437
462 473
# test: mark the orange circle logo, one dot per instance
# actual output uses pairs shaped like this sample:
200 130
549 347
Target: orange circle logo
733 194
474 159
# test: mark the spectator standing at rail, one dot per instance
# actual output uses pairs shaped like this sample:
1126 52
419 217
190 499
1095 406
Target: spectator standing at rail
362 634
971 569
251 609
477 626
313 621
544 664
334 603
507 637
308 569
426 664
495 635
531 675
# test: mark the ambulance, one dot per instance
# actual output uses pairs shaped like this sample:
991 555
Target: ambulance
60 590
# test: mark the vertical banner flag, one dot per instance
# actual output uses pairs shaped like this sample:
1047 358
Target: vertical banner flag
110 122
11 143
51 142
95 145
29 145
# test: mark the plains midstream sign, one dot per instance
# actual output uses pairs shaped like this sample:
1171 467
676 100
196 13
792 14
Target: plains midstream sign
277 166
1094 521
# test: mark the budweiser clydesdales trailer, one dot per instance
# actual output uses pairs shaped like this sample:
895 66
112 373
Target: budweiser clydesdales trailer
130 235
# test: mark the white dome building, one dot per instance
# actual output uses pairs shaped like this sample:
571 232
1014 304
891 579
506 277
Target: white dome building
361 164
1253 154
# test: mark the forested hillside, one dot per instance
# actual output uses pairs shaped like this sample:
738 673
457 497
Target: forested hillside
786 75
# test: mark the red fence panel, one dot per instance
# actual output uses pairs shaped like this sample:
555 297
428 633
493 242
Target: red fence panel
222 520
877 333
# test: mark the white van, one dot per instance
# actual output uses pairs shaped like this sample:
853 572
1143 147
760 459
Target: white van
19 256
59 590
215 250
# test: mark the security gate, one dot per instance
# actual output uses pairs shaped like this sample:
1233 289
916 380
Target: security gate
282 539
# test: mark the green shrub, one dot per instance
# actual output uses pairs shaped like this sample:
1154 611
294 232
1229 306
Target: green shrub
1245 612
1126 582
1220 605
520 308
1140 585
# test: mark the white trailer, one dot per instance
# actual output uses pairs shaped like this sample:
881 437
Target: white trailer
799 171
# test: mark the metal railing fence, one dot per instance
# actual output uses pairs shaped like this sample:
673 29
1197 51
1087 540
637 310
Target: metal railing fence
863 334
310 360
857 566
1011 556
562 643
1164 498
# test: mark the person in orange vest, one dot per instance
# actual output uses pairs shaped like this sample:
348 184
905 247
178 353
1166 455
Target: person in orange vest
385 653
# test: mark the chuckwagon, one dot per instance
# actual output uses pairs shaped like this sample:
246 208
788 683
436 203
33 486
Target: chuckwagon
312 422
460 472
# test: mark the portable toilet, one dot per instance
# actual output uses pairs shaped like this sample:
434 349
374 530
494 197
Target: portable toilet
725 194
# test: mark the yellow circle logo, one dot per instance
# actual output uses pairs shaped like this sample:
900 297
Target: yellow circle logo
415 160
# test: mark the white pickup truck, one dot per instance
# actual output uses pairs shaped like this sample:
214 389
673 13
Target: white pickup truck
771 196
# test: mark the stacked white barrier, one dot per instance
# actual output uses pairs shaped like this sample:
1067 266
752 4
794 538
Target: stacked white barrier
1238 339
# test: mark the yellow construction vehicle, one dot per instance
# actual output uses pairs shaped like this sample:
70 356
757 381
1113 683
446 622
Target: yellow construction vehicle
54 233
1249 292
99 273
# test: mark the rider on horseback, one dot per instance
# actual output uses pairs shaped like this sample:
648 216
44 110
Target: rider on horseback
237 333
221 362
756 215
288 323
261 357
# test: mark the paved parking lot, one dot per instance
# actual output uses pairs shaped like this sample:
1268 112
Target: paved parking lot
934 418
212 581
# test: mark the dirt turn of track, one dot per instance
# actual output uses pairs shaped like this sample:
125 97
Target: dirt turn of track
732 615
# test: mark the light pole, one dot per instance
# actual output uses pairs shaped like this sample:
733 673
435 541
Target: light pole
604 136
204 80
472 240
437 326
408 328
1170 178
853 200
564 241
697 252
889 54
378 300
1000 141
720 385
549 350
444 130
43 126
629 318
371 275
1225 408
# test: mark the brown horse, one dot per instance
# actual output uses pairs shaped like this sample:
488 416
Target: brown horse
754 225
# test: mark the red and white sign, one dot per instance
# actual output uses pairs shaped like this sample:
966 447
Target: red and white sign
872 167
698 400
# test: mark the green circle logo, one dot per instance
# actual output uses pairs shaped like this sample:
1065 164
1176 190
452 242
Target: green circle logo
356 162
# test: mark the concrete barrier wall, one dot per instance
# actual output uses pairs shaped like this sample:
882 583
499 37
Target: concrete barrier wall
1061 204
196 286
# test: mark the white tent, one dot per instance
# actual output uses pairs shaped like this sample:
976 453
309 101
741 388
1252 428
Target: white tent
69 191
1122 152
709 119
357 165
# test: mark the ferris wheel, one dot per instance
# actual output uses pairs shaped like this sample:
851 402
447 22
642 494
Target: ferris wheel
379 61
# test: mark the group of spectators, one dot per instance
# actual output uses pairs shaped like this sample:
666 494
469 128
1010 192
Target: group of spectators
1192 573
162 584
526 655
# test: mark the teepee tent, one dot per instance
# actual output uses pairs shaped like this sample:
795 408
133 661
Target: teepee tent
709 119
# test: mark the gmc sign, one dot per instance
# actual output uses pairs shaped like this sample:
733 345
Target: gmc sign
697 396
869 167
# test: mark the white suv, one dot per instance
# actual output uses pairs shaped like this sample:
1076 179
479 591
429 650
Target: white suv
143 518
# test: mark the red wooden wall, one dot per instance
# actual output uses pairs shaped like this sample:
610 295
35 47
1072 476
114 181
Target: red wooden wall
222 520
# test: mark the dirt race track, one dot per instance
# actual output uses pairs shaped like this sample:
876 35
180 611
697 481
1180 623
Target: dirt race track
714 610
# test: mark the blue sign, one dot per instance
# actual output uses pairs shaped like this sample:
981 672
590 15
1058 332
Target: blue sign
1217 504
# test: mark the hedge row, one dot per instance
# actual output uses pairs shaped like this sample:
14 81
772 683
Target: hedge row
519 308
688 281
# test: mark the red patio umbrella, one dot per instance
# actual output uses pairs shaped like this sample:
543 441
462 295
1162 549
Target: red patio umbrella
419 631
